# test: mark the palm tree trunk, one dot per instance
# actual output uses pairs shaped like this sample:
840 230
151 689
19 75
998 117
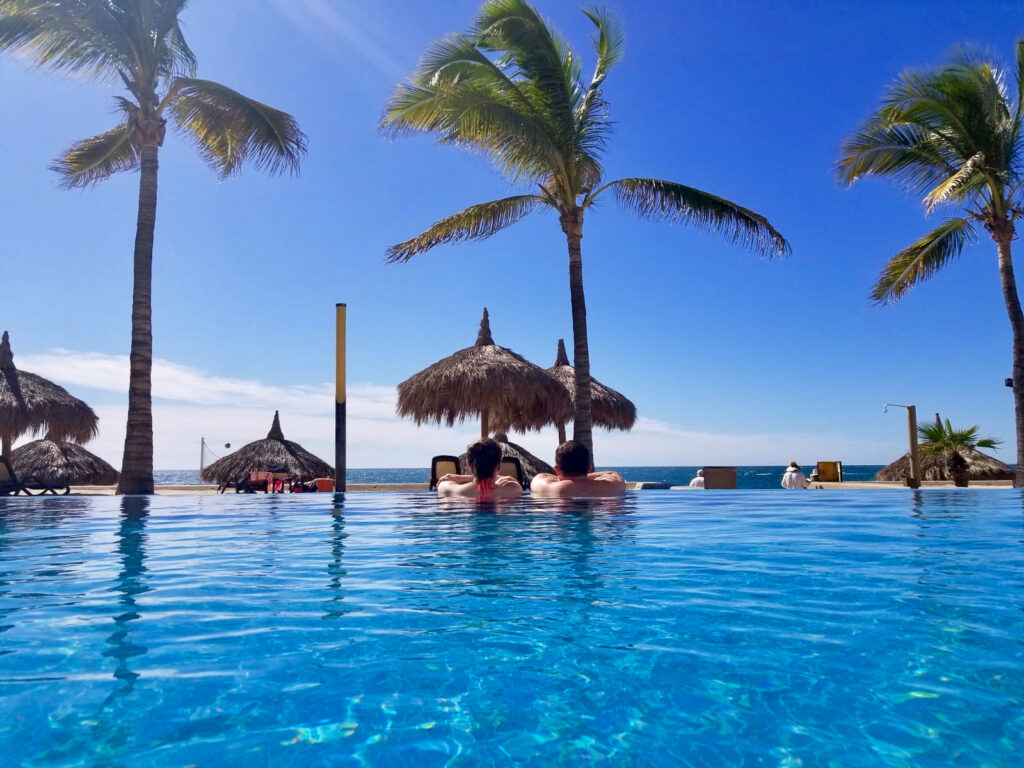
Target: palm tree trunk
137 464
572 225
1003 235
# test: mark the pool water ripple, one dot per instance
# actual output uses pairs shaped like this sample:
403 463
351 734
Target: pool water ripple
732 628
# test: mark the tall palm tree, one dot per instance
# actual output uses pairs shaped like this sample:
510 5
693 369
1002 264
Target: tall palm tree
948 445
511 90
952 135
140 44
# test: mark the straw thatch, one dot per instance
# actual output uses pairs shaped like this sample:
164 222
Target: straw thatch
980 466
531 464
30 403
608 408
482 380
273 452
57 463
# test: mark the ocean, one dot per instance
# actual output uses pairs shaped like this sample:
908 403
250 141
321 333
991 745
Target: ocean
747 478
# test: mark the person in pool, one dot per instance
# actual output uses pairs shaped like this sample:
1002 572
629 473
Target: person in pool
484 457
575 476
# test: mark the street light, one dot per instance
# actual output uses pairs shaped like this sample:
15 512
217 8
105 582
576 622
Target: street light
914 481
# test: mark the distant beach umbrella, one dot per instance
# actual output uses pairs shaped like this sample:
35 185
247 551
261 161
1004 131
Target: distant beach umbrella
484 380
273 453
57 463
30 403
531 464
980 466
608 408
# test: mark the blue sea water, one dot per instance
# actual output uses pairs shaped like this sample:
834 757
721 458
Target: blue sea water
739 628
749 478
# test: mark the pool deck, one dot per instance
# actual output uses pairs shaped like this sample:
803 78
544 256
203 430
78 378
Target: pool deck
189 490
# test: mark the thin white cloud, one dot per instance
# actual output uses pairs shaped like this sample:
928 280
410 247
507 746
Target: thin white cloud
190 404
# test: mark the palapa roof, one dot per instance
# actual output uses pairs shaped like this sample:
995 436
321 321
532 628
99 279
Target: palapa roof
608 408
57 463
980 466
530 463
30 403
262 455
484 378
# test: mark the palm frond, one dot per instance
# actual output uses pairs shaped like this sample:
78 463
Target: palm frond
654 198
524 40
910 154
228 128
97 158
79 37
921 260
471 116
178 59
474 223
591 119
938 438
970 177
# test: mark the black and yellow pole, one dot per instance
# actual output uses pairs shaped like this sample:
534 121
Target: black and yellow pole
339 401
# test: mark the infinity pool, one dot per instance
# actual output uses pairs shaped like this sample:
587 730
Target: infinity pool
874 628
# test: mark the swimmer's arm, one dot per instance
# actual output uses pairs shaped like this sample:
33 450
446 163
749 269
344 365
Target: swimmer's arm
610 477
451 477
543 482
508 486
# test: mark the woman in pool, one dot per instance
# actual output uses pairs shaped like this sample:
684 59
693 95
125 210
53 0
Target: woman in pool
484 458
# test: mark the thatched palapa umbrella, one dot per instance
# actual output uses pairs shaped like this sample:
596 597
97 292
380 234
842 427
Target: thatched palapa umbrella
58 463
608 408
482 380
30 403
261 455
980 466
531 464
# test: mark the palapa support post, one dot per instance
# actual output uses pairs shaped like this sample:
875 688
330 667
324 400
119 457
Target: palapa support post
339 400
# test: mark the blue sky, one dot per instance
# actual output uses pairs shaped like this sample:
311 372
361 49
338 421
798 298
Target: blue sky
729 357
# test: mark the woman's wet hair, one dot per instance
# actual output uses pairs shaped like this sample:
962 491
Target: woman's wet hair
483 456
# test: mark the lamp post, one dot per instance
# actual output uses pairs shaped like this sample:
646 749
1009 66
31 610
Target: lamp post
914 481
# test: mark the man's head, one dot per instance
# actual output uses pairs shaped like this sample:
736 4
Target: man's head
572 459
484 457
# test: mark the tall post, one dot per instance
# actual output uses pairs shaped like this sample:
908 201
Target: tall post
914 481
202 455
339 400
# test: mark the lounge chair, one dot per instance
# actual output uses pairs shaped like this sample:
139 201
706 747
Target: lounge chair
830 471
443 465
10 484
720 477
511 466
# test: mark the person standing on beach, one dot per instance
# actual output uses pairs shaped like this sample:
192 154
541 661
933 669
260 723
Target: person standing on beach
575 477
485 483
794 477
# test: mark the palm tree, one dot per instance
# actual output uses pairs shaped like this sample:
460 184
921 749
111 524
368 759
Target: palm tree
140 44
952 135
948 445
511 90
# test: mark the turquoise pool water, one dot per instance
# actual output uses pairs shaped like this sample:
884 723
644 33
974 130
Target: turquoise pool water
880 628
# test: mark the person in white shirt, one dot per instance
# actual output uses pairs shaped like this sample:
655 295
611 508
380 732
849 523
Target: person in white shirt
793 477
698 481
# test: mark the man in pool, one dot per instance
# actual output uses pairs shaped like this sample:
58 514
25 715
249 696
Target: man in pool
575 477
